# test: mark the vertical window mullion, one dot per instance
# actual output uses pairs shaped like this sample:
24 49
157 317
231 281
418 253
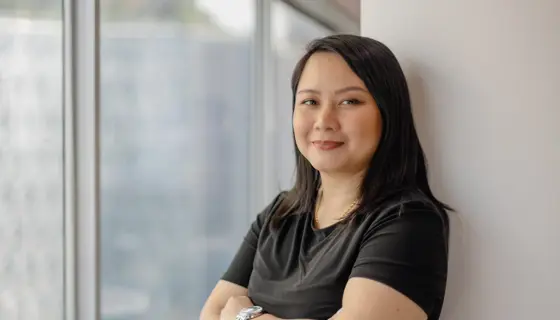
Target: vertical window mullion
262 113
81 159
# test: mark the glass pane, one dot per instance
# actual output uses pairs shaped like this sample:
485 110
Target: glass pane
175 99
31 160
291 31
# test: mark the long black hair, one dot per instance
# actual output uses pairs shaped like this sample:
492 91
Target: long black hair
398 166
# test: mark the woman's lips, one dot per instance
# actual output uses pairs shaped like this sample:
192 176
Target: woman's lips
327 144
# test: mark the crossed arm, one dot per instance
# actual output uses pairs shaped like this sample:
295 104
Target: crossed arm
363 299
407 256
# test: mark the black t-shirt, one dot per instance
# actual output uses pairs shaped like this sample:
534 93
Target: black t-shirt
297 271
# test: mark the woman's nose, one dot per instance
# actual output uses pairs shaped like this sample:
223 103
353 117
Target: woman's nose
326 119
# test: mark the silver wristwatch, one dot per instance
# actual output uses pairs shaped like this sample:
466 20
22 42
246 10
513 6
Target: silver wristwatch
249 313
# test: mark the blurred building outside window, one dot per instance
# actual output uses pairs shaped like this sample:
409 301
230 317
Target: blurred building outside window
31 160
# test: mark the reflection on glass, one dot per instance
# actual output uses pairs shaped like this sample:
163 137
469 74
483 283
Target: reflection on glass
31 157
291 31
175 100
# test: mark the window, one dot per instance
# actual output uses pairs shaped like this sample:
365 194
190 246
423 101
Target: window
194 132
175 102
31 161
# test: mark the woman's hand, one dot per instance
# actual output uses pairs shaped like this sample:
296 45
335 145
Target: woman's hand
233 306
238 303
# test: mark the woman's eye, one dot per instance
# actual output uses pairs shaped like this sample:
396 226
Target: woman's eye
309 102
351 101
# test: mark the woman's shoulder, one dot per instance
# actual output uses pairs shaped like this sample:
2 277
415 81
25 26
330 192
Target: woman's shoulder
265 215
410 207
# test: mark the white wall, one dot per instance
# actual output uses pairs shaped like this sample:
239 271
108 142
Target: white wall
485 81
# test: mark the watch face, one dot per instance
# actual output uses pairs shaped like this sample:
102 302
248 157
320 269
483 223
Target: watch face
254 310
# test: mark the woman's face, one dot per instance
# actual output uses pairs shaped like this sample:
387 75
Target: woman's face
337 124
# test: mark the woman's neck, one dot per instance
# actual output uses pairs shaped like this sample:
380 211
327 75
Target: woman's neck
339 192
341 186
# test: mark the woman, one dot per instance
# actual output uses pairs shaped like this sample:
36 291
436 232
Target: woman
360 235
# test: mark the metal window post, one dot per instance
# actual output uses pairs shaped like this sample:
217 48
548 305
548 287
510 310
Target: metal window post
262 112
81 159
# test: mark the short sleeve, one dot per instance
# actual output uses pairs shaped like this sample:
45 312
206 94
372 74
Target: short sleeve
241 267
408 252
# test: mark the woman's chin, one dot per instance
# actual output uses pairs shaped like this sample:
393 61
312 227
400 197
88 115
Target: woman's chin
327 167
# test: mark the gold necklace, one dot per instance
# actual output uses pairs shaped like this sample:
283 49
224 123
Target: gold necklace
320 200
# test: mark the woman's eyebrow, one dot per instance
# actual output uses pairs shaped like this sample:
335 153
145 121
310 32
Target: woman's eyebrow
345 89
350 88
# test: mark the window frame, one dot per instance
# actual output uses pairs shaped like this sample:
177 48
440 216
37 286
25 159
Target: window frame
81 159
327 13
